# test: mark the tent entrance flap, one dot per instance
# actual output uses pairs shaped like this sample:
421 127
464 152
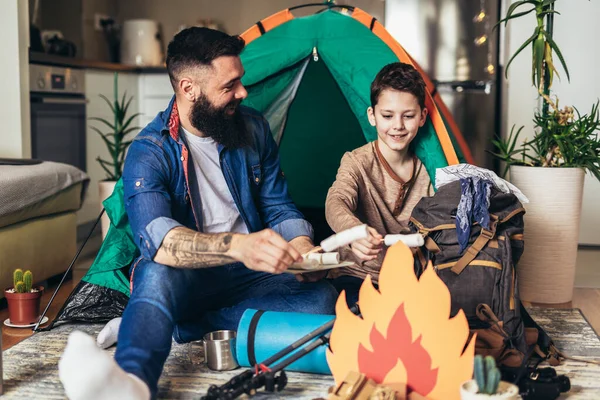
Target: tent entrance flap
320 128
277 112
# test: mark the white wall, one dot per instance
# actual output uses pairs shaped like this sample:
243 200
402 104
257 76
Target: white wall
96 83
576 31
235 16
15 135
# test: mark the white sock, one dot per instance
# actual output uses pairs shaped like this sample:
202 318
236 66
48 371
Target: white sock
88 373
108 335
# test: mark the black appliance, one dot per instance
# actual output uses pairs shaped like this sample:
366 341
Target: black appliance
58 114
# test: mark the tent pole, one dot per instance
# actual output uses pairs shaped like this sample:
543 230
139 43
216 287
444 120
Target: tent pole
35 328
327 4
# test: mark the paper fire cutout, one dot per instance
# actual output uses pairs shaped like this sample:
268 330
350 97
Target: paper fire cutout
416 360
422 348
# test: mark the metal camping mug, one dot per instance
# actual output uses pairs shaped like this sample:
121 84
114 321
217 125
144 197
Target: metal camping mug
219 350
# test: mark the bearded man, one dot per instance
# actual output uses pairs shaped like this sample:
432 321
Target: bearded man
210 212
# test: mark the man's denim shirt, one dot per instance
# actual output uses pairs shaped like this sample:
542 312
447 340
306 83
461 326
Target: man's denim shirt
161 190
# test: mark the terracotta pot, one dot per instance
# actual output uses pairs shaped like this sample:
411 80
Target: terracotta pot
506 391
546 271
105 189
24 308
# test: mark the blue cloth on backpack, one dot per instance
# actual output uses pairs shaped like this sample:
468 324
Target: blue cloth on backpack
473 207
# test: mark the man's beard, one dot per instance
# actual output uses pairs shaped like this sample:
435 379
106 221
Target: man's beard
214 122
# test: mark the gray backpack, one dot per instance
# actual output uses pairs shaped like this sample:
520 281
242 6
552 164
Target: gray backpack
482 279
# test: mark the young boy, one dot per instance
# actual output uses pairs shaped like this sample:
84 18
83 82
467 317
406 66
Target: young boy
379 183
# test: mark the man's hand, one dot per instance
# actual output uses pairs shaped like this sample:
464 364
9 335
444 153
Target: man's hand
368 249
303 244
264 251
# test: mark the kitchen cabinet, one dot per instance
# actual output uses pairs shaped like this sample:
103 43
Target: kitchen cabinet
154 93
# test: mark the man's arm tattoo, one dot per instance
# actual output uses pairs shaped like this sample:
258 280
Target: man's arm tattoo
185 248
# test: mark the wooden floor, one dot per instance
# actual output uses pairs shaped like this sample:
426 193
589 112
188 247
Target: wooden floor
588 300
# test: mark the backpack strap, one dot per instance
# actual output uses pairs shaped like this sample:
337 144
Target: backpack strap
484 237
431 245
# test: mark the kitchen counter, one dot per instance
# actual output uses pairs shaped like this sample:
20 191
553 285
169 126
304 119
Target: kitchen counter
69 62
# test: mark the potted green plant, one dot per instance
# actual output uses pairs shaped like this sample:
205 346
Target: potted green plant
487 383
549 168
116 138
23 299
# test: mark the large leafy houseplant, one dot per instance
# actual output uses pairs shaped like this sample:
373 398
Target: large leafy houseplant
563 137
116 138
549 168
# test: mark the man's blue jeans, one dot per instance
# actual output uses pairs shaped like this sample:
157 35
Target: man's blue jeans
187 303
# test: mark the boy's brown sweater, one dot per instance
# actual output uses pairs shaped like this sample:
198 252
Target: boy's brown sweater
367 191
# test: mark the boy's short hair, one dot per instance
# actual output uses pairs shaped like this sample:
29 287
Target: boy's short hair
401 77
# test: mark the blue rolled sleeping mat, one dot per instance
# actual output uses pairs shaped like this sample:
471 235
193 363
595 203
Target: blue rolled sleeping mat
262 334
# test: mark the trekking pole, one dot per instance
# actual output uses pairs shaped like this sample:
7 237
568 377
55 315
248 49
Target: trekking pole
248 381
36 327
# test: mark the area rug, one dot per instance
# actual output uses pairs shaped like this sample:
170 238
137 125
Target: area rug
31 372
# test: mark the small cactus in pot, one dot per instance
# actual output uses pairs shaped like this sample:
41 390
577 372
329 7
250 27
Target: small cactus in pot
23 282
17 277
487 375
487 383
23 299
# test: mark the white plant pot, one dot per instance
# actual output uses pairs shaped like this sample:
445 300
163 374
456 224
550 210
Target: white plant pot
546 271
105 189
506 390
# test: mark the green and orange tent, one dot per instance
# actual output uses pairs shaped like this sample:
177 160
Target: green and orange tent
310 76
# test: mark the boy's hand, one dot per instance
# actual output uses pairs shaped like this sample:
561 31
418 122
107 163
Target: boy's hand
302 243
368 249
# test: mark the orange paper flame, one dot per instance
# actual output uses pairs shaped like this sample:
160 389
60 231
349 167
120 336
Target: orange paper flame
422 348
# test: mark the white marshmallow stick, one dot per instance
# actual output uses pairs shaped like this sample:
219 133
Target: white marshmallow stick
414 240
344 237
324 258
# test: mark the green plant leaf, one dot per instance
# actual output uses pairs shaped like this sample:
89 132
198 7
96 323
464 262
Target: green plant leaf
122 105
112 108
102 164
126 144
103 121
129 130
558 53
531 38
126 106
550 65
126 124
538 59
517 15
514 6
111 146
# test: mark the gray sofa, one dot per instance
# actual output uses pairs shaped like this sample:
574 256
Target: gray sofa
38 223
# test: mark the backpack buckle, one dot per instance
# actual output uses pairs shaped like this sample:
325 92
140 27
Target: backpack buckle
487 233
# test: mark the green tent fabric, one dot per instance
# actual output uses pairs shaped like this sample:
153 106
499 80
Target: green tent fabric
311 79
103 292
118 248
352 55
317 72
